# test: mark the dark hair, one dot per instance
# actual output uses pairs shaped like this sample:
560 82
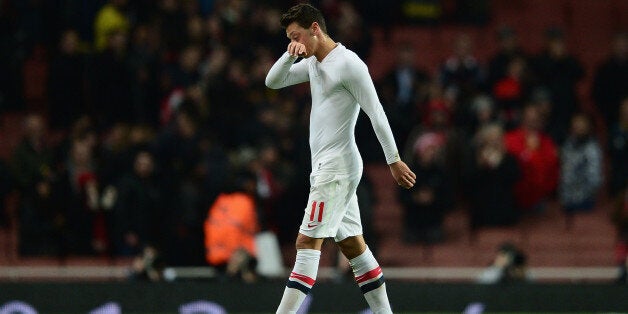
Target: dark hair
304 14
507 248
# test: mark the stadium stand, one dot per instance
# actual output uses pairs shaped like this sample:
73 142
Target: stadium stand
587 246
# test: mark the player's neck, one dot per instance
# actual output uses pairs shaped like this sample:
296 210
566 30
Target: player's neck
325 47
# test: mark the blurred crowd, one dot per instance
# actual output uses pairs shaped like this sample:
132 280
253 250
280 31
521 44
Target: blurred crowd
144 114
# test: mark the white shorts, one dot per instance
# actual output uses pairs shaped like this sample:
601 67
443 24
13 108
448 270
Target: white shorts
332 208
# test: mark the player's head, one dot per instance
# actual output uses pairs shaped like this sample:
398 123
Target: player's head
304 15
305 24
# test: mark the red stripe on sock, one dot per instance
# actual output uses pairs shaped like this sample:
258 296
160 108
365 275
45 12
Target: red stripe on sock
369 275
304 278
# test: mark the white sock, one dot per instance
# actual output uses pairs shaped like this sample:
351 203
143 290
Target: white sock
301 280
369 277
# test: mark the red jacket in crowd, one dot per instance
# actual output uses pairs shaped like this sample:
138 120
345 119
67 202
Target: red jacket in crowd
538 160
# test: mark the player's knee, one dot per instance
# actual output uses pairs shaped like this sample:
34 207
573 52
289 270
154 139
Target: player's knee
305 242
352 247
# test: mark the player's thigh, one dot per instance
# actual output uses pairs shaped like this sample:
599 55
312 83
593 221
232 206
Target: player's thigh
349 236
351 224
326 207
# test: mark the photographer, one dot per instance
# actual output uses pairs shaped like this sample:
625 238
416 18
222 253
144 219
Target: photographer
509 266
148 265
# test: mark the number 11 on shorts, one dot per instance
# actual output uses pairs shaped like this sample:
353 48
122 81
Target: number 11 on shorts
313 214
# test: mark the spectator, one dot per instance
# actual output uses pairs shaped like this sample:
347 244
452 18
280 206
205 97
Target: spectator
618 151
116 156
270 183
581 167
87 233
511 90
177 145
461 76
509 266
265 19
238 79
215 166
425 205
349 27
195 31
138 205
440 103
179 153
171 21
186 71
610 84
145 65
35 74
509 49
230 230
110 88
483 112
537 157
558 71
66 83
491 175
34 173
402 90
542 97
110 19
214 70
437 117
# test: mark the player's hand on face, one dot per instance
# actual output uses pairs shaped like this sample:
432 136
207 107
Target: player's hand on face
296 49
402 174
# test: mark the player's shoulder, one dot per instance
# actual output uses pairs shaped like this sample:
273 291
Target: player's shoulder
350 61
349 55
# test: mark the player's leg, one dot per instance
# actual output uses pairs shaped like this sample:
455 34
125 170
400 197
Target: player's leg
367 271
321 218
303 275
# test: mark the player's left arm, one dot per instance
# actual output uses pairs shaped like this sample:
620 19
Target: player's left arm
358 82
286 72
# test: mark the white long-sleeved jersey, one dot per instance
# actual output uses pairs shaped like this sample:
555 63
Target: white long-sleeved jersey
340 85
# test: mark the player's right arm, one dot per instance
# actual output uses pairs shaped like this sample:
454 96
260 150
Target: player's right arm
285 72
